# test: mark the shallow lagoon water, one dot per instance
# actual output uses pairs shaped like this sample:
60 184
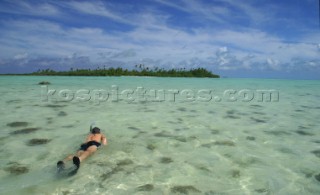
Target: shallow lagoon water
166 147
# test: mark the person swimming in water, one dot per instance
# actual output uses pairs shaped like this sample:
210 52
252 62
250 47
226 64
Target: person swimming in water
93 141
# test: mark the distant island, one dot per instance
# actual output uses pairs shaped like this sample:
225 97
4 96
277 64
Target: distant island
140 70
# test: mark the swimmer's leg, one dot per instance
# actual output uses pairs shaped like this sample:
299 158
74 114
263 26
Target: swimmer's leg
88 152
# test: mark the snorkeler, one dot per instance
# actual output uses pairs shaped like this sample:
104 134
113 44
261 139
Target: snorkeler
93 141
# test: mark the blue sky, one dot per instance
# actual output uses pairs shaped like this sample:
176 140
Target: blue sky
245 38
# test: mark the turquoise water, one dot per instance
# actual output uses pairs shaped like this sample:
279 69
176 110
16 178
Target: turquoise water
189 144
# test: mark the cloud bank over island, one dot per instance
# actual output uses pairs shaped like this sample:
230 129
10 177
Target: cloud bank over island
268 39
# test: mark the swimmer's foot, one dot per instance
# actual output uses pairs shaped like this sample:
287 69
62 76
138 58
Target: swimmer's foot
76 161
60 165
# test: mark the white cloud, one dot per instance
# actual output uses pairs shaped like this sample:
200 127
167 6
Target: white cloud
129 53
211 12
94 8
225 50
273 64
21 56
153 41
28 8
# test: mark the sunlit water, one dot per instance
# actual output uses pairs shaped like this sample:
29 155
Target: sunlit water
207 146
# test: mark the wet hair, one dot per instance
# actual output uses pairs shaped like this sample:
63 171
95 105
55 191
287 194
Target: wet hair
95 130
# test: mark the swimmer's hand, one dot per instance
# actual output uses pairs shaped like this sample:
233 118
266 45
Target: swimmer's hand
104 140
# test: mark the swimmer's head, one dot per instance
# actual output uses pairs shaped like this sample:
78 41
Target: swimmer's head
95 130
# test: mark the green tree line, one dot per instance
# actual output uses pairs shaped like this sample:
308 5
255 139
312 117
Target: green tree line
140 70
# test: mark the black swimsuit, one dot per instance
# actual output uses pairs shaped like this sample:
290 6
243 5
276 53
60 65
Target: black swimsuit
85 146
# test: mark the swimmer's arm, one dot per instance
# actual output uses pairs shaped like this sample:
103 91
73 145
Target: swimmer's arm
104 140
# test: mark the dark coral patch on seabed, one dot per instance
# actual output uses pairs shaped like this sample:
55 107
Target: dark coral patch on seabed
151 147
256 106
258 120
118 168
317 177
147 187
304 133
184 189
62 113
24 131
231 116
36 141
166 160
219 143
277 133
316 152
55 106
44 83
251 138
18 124
134 128
17 169
125 162
182 109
